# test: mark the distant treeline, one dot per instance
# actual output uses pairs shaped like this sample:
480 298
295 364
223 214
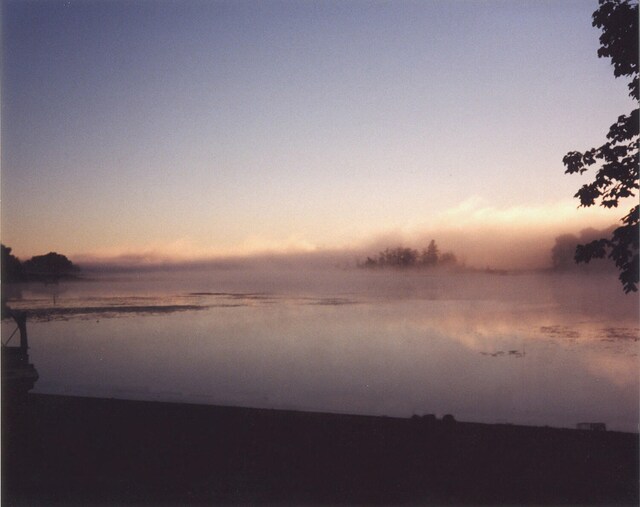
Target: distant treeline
564 251
49 267
401 257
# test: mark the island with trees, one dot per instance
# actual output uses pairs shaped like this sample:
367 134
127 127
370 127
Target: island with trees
403 258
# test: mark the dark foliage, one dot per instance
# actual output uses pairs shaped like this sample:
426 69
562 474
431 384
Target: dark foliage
12 270
431 255
564 250
51 265
401 257
616 160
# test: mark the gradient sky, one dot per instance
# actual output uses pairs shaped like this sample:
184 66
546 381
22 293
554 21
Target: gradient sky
213 128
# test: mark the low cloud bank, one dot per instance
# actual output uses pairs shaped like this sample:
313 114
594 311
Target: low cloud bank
478 233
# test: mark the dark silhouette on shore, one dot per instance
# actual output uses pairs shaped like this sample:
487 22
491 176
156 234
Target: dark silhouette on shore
82 451
18 374
12 269
50 267
616 160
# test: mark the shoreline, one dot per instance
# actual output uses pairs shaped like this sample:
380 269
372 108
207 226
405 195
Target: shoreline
86 451
177 399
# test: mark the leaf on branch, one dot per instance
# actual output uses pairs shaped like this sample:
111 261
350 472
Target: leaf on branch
616 177
625 129
594 250
573 162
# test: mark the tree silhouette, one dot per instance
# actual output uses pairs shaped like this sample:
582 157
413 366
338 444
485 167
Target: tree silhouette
616 160
395 257
563 252
431 255
12 270
52 265
401 257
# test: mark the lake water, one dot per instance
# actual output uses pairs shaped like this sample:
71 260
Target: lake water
525 349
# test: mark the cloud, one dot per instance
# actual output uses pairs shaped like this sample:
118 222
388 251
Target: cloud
259 244
478 232
179 250
479 212
187 251
509 237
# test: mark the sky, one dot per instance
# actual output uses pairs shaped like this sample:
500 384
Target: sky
191 129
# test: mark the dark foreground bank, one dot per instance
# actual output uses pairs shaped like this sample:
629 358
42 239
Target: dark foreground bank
67 450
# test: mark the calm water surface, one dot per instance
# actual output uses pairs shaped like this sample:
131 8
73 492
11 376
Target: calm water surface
525 349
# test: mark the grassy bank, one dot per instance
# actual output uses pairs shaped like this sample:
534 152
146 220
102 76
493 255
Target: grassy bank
68 450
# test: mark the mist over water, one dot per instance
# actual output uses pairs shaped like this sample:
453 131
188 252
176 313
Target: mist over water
523 348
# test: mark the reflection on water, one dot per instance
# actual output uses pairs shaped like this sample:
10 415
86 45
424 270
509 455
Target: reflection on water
529 349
